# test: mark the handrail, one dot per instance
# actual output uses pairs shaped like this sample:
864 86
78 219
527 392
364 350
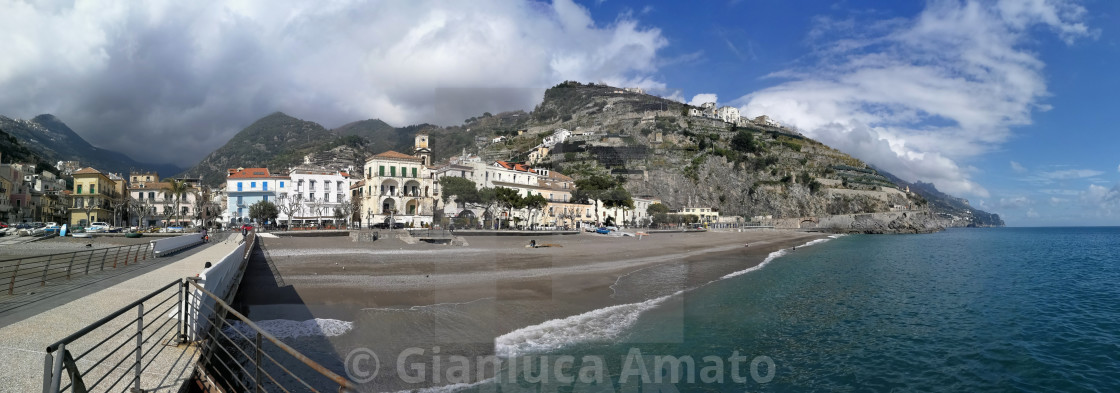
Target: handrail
341 381
110 317
65 253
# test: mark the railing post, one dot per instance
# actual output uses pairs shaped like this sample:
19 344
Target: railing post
182 316
118 257
52 371
139 345
43 281
257 361
69 268
12 284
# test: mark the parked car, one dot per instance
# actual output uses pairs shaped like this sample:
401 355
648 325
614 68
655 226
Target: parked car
603 231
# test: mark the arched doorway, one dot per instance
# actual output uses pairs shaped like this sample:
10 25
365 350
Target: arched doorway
388 205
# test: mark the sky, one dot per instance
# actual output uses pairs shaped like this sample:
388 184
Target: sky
1010 104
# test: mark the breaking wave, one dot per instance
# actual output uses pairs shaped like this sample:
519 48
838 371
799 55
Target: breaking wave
286 328
598 325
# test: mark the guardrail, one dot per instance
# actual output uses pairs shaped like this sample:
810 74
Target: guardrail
182 333
23 274
168 246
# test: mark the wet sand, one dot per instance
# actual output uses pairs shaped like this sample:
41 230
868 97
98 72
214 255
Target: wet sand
474 300
576 269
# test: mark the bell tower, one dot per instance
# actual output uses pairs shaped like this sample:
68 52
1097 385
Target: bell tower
420 148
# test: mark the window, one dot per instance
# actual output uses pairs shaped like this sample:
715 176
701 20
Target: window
281 184
79 188
151 195
266 198
381 170
92 188
326 185
393 171
326 197
312 197
240 200
413 172
338 197
265 185
238 186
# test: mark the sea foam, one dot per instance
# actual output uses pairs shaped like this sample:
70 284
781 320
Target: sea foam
598 325
601 324
286 328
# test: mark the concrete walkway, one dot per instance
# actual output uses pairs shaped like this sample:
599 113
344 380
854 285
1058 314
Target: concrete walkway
23 343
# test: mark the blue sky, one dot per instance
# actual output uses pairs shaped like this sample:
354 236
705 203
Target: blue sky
1008 103
1055 162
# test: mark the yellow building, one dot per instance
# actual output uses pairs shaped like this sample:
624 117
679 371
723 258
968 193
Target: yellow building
90 200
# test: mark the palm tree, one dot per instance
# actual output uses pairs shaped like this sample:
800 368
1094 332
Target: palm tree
176 190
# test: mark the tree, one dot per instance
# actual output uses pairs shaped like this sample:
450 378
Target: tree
263 211
508 199
467 193
744 142
344 210
657 208
534 203
175 192
317 206
604 189
290 204
119 202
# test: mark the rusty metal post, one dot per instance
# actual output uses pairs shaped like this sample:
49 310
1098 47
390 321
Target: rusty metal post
69 268
12 284
139 345
118 257
43 281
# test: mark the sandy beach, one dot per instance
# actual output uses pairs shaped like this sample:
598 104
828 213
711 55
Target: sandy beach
575 270
475 300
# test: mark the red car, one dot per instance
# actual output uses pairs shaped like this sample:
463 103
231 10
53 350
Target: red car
247 227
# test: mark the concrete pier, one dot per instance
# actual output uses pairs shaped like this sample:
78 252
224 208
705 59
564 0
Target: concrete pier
23 343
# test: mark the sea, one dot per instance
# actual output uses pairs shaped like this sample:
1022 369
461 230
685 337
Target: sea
963 310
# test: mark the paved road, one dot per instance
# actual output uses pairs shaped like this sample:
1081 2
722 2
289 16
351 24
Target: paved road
28 329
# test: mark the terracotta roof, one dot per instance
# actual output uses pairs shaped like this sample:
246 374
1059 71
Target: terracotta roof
558 176
359 184
515 166
87 171
249 173
397 155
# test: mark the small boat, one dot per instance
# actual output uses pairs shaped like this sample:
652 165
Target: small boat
82 235
133 235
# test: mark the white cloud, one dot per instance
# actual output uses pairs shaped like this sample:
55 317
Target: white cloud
1118 168
1018 168
1070 174
1014 202
1031 213
131 75
699 99
918 97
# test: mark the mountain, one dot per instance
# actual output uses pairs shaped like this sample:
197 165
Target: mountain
52 140
956 212
755 169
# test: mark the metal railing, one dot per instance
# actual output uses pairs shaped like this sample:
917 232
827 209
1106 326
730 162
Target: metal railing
182 333
147 344
24 274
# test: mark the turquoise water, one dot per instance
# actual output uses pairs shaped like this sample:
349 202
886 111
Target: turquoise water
1012 309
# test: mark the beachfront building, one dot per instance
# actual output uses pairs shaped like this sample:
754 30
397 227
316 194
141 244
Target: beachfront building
91 197
246 186
154 202
704 215
399 187
314 195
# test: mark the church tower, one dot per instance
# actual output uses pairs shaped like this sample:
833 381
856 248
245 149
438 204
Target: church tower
420 149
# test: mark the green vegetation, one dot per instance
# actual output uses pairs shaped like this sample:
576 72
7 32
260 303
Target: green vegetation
263 211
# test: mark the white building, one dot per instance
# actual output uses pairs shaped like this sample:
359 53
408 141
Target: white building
398 187
728 114
246 186
557 137
314 195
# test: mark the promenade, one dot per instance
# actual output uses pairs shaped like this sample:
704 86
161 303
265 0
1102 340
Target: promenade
23 342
